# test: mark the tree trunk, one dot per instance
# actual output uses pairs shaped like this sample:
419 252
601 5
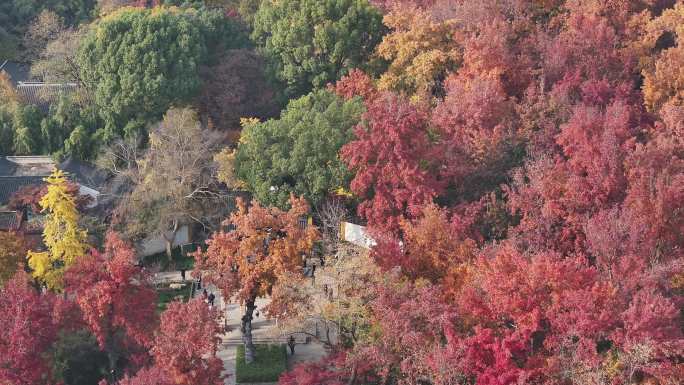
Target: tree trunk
169 252
112 358
111 351
246 329
169 241
352 378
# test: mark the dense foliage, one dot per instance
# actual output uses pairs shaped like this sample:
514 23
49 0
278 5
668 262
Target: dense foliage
297 153
264 249
519 166
313 42
517 198
134 75
62 235
12 253
236 87
16 15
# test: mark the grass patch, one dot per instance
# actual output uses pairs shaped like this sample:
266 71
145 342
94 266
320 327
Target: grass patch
165 295
269 363
178 260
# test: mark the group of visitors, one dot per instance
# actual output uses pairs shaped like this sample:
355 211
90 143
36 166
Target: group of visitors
209 298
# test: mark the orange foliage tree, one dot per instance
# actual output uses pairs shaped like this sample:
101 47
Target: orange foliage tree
663 78
420 51
265 245
432 248
12 254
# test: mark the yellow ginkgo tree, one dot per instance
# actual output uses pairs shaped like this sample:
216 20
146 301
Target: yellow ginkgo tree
64 239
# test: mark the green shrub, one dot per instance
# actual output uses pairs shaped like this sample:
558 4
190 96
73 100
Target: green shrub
178 260
166 295
269 363
77 359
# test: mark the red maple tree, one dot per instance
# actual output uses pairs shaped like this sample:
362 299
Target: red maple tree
116 300
27 330
186 343
393 162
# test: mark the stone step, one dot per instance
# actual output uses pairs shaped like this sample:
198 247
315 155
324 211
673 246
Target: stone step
235 341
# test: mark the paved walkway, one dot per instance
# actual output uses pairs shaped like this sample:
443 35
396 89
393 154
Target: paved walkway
263 330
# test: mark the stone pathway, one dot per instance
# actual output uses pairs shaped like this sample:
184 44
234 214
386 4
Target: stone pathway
264 331
227 354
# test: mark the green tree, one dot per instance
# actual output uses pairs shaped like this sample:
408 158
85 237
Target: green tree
138 62
6 131
27 131
313 42
56 126
77 360
298 152
16 17
68 129
79 144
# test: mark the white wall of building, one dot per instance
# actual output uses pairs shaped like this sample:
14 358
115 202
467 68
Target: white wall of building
356 234
155 245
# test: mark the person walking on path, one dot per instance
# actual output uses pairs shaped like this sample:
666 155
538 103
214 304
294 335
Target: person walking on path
291 344
205 296
211 299
182 274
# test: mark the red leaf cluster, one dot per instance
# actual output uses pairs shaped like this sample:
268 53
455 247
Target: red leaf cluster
186 343
27 330
115 298
529 219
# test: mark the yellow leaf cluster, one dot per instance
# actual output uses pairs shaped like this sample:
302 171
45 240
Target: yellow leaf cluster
341 191
225 161
420 52
64 240
7 92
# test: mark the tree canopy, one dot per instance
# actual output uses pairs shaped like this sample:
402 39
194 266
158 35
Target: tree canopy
298 153
138 62
13 250
62 234
266 247
172 182
17 15
313 42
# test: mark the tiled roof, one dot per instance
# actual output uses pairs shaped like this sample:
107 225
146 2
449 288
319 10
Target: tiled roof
32 165
9 220
7 167
43 94
83 173
11 184
18 72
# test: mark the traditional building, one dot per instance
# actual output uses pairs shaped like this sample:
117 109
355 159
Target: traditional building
17 172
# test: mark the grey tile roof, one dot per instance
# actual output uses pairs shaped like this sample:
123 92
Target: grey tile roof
7 167
83 173
11 184
43 94
18 72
